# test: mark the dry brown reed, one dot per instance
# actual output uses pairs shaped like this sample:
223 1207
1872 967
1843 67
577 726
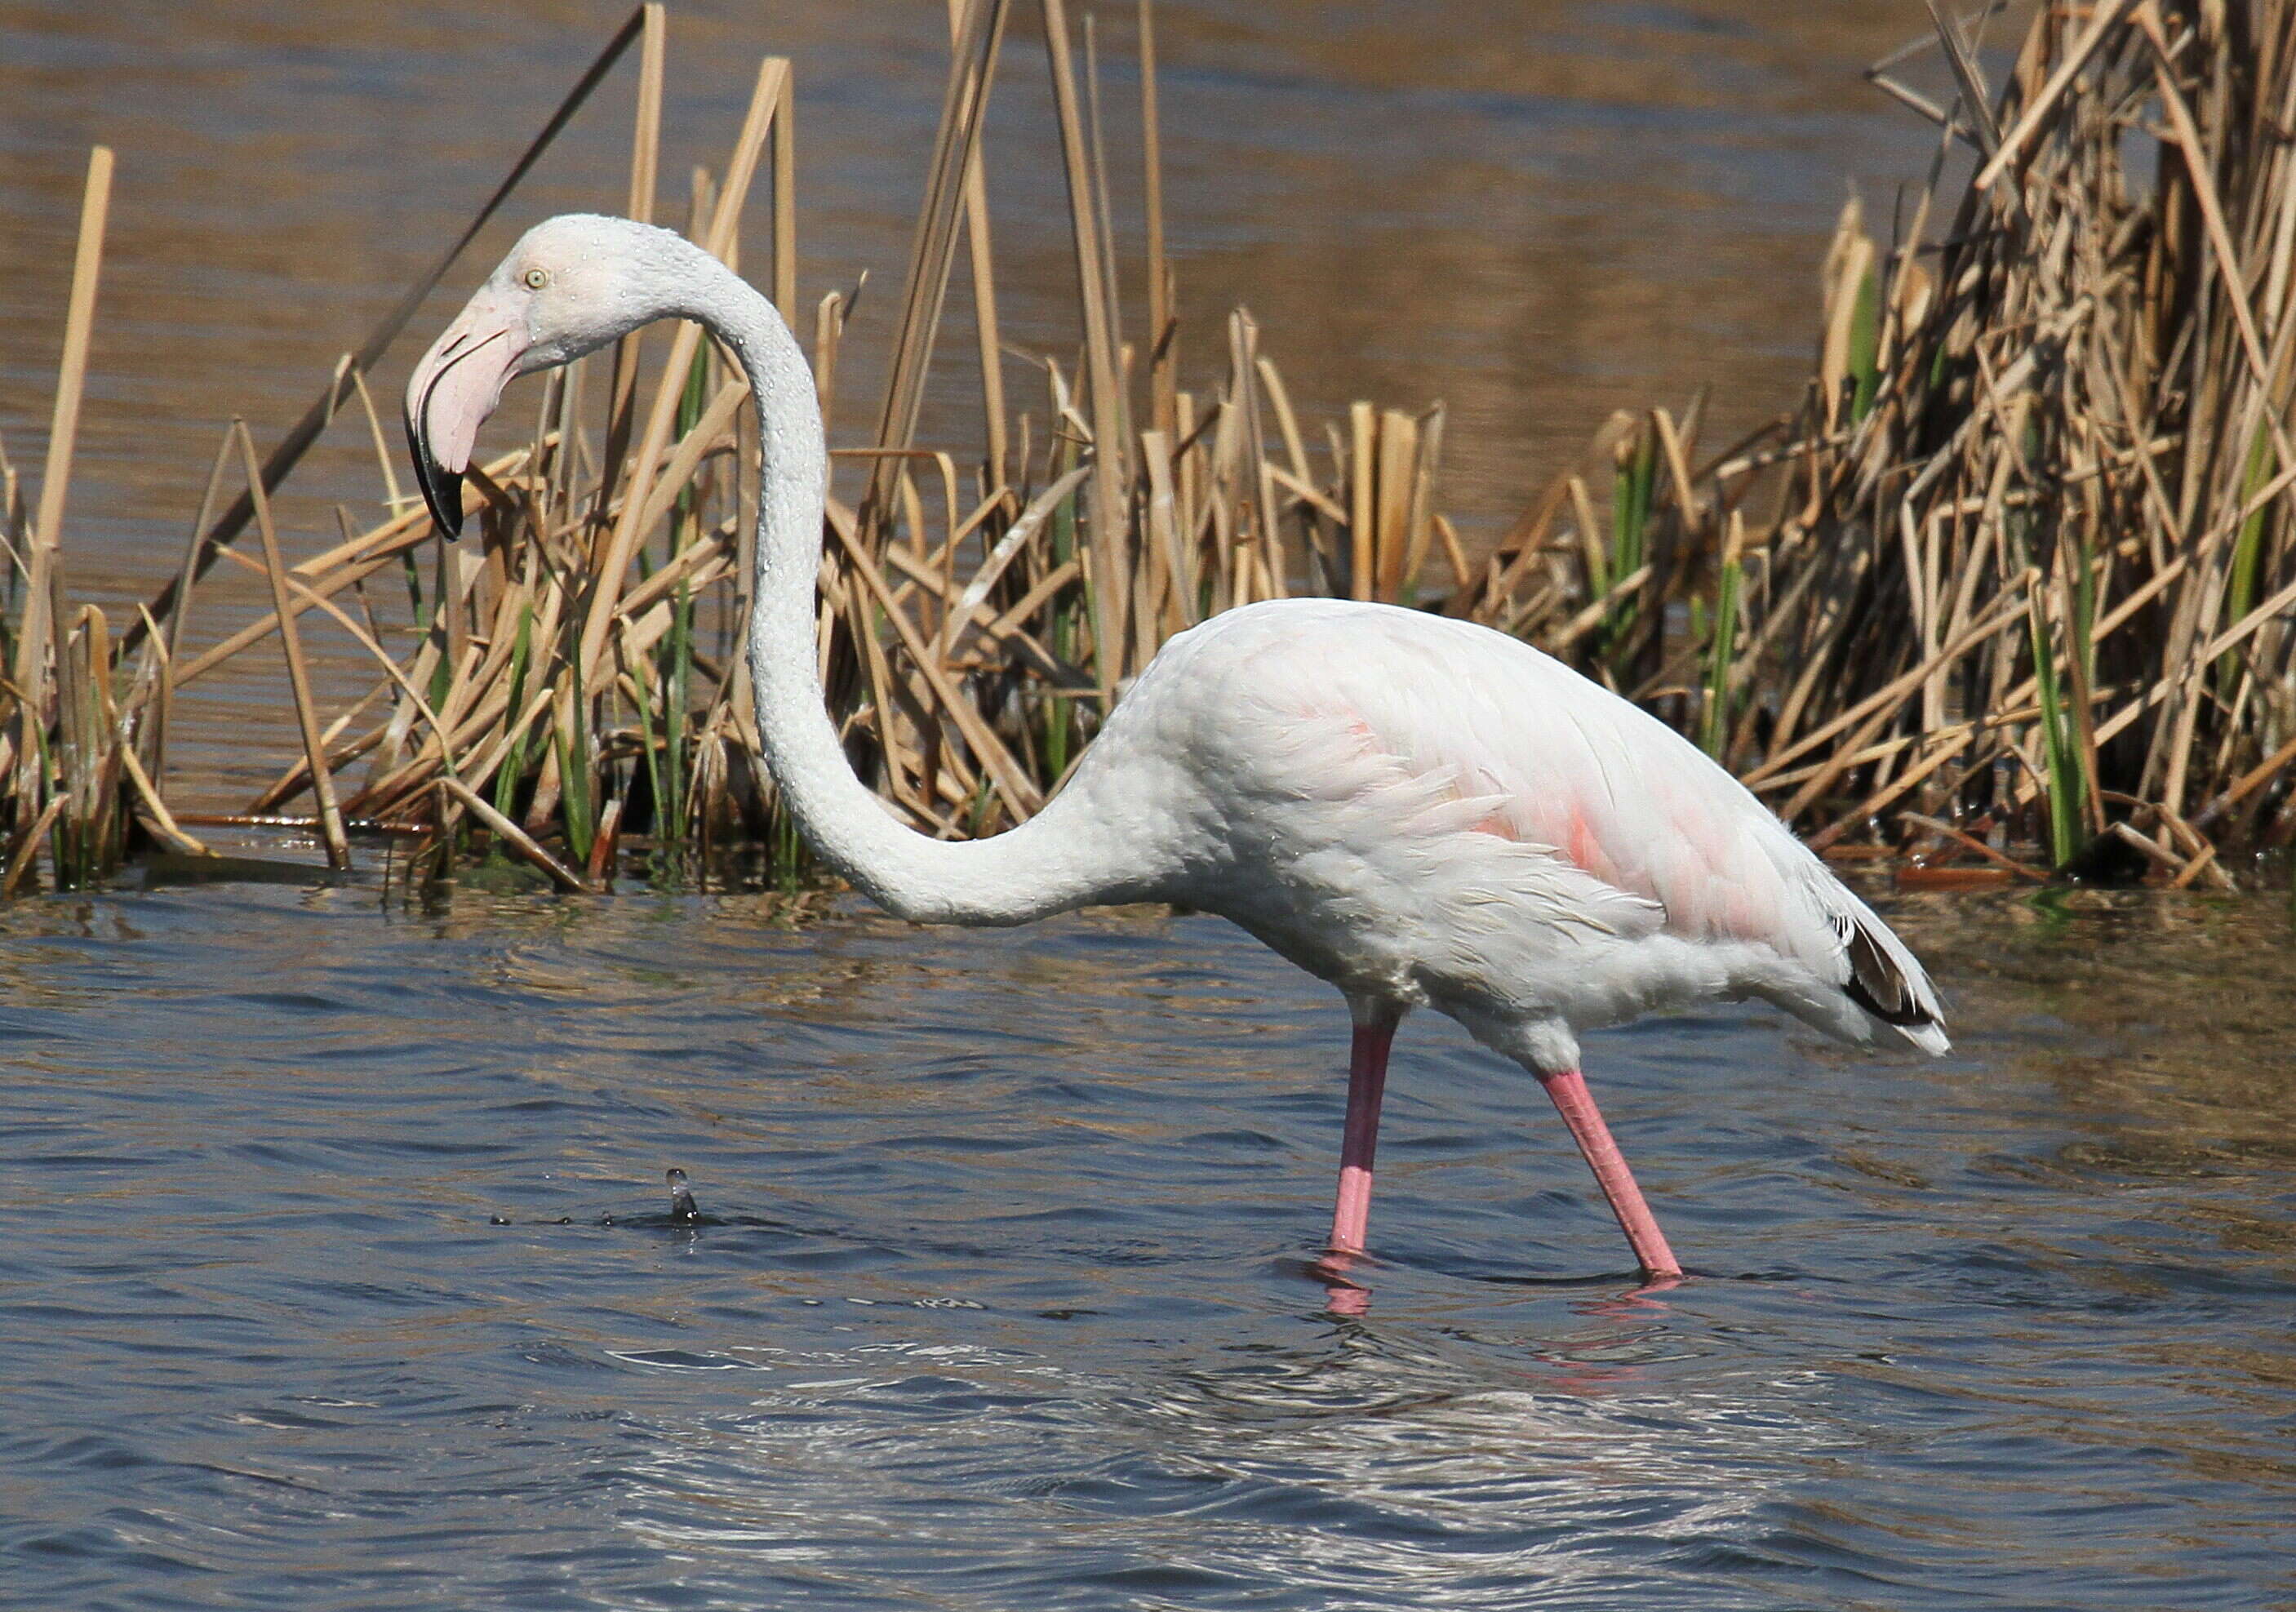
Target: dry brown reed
2022 567
62 756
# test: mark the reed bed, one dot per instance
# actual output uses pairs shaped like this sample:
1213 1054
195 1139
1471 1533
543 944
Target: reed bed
2008 594
2019 576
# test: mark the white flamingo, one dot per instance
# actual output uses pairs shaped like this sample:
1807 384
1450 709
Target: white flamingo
1422 812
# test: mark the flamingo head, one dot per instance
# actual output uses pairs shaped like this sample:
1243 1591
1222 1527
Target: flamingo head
571 285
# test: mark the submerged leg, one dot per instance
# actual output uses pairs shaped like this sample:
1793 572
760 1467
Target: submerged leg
1366 1083
1576 1106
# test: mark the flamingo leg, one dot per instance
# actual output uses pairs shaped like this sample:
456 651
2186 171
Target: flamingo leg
1366 1084
1576 1106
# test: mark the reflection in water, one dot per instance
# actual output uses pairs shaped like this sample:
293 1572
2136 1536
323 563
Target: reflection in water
1361 1468
2185 1067
1346 1275
1349 1279
1003 1294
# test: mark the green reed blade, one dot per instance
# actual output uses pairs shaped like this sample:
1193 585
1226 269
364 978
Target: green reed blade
1632 481
1865 347
414 604
2248 550
577 768
649 743
1720 655
2061 781
675 763
513 771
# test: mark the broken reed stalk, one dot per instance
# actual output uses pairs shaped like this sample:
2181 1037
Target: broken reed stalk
41 551
2019 569
977 29
299 676
71 372
1105 508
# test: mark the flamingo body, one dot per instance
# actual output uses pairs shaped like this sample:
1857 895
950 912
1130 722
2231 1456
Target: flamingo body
1429 814
1423 812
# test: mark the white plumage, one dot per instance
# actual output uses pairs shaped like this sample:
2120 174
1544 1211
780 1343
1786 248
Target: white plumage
1427 812
1423 812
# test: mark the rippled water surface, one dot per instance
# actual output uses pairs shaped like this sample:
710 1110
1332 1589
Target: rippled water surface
336 1272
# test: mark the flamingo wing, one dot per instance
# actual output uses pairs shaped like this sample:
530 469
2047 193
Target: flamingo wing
1572 802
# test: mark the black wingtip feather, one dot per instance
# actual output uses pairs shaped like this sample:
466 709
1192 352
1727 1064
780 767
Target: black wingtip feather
1871 973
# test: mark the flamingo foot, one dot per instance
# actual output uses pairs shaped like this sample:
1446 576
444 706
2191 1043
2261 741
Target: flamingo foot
1367 1085
1576 1106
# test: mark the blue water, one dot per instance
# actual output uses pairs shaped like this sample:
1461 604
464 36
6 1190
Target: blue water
337 1271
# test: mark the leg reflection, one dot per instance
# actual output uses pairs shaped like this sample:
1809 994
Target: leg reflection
1343 1293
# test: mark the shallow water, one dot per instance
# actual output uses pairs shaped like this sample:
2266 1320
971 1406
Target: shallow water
337 1272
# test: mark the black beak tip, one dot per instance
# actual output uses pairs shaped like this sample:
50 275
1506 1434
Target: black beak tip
442 489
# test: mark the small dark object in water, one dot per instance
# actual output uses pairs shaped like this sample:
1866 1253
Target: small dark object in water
682 1206
498 1219
2108 860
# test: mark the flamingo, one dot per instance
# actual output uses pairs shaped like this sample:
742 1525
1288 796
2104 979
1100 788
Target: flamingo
1423 812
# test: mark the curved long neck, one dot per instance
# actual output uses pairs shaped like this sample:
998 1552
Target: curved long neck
1057 861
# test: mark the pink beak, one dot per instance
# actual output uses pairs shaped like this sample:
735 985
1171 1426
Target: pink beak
452 391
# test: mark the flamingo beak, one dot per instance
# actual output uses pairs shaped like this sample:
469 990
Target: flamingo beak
452 391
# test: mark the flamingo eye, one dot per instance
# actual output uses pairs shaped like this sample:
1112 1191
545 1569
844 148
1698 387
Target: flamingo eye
536 279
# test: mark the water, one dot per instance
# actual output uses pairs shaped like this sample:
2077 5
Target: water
1535 212
337 1271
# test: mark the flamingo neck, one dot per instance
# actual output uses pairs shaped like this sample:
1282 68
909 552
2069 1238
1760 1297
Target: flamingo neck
1056 861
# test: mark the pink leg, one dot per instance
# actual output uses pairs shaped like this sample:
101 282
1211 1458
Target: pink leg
1366 1083
1576 1106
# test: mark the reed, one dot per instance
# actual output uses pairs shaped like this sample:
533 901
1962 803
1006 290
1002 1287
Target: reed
2015 582
70 707
2022 560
